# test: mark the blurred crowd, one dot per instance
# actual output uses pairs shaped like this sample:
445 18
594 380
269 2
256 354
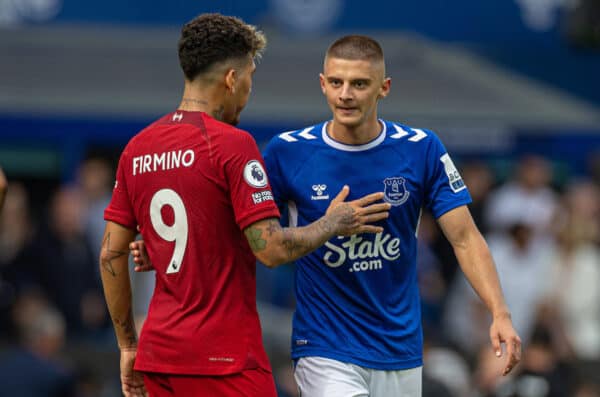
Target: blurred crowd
57 340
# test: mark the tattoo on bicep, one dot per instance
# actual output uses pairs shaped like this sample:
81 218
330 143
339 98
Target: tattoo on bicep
109 255
127 326
273 227
254 236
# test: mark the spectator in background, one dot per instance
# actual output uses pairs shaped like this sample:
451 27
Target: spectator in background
527 195
444 365
542 373
587 388
522 261
432 285
65 265
16 255
33 368
95 179
594 166
574 297
479 179
16 229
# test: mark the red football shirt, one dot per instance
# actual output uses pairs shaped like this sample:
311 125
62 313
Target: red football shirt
193 184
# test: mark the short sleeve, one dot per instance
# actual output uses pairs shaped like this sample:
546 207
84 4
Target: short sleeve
119 209
445 188
274 169
250 191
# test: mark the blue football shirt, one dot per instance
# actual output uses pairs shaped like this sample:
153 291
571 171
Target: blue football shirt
357 297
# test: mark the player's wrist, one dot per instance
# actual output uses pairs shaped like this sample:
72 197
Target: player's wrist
501 314
129 348
328 225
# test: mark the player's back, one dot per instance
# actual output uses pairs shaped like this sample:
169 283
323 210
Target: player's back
202 318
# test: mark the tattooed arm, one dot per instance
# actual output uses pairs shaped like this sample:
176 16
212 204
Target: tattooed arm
117 291
115 280
274 245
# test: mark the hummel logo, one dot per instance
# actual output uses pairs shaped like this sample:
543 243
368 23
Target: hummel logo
177 117
319 189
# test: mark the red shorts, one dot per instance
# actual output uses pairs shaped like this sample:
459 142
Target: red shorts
249 383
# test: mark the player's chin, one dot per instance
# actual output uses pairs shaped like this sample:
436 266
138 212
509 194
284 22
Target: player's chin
349 120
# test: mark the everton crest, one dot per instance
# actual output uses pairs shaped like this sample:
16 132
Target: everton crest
395 191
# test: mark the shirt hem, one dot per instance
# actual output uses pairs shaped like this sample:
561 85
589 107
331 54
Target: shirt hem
258 216
452 206
189 370
386 365
116 218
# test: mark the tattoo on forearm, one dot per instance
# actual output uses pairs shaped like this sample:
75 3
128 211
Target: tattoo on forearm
326 226
293 242
127 326
254 236
109 255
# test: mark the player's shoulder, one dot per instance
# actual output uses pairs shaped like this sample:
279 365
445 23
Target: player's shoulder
149 130
291 140
405 135
219 129
221 126
138 141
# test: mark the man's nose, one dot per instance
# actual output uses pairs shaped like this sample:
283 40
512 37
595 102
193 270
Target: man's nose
346 93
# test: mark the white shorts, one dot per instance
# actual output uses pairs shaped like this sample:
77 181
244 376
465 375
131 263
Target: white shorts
324 377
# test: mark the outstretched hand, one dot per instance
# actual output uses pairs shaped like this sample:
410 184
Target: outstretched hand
502 332
140 256
357 216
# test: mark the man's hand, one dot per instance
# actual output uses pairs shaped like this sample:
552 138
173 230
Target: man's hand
355 217
132 382
140 256
502 331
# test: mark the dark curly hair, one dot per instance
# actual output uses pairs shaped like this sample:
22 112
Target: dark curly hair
213 38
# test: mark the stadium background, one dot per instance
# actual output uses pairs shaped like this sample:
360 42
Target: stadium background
503 82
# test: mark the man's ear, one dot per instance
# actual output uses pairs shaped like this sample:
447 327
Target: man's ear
230 79
385 88
322 82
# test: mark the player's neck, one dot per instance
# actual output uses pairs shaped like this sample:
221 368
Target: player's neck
204 100
354 135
